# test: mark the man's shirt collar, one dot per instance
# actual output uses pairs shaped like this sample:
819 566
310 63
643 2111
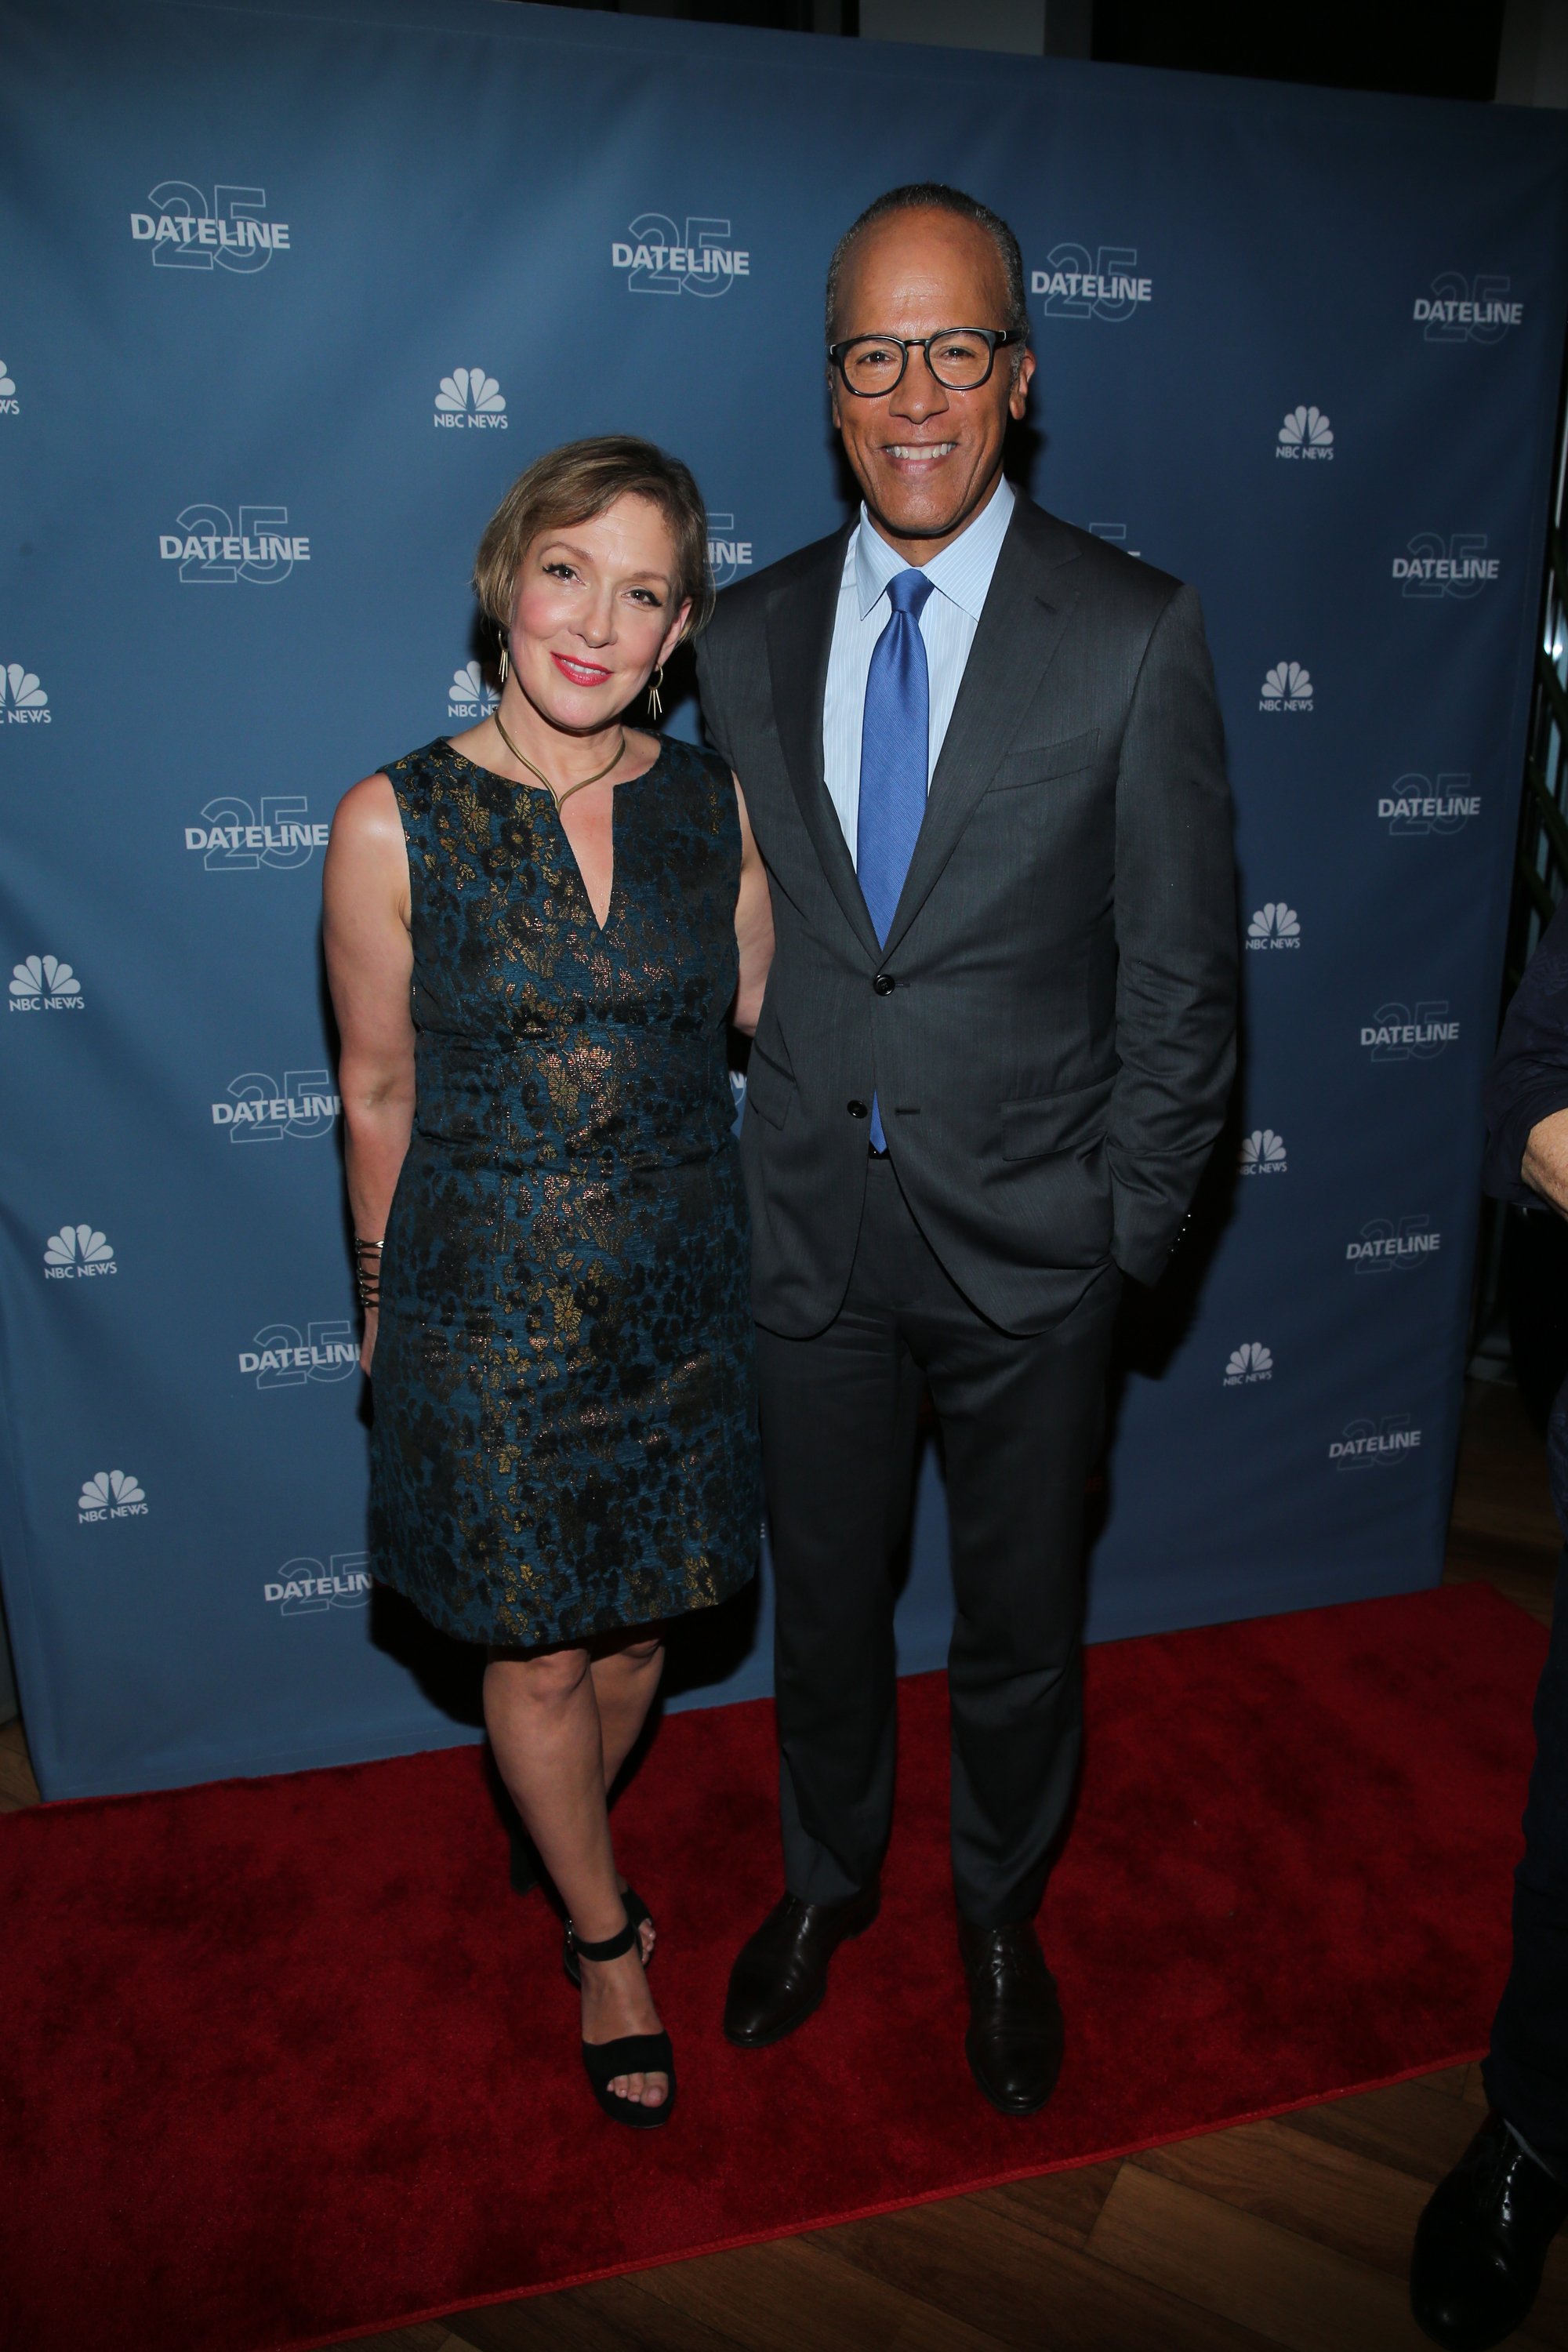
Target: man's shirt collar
961 572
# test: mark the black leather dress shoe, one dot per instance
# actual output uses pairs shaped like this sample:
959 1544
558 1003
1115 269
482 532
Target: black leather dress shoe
781 1973
1482 2243
1015 2040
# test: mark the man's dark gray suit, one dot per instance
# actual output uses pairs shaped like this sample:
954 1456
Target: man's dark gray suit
1049 1029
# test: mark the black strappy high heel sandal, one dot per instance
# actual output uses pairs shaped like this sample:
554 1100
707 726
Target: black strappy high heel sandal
638 1914
634 2053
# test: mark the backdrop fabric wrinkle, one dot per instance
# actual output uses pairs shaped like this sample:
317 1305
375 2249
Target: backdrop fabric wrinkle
292 295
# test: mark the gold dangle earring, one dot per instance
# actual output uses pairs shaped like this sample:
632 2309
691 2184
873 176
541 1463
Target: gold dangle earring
655 701
505 663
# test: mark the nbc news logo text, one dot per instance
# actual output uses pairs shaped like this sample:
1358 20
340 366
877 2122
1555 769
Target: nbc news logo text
1077 284
1369 1445
1385 1242
660 259
305 1588
1306 433
1456 566
9 403
42 984
727 555
1287 686
1423 805
1263 1153
76 1253
470 696
186 232
110 1494
23 702
259 1110
233 840
211 554
471 397
280 1357
1396 1033
1248 1364
1274 925
1462 310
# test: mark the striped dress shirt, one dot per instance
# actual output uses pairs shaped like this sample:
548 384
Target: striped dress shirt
960 575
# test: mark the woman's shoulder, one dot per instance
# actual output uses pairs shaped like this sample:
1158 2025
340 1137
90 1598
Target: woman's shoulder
702 769
435 758
704 786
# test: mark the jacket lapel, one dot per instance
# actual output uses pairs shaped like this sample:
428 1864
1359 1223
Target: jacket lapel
800 636
1026 611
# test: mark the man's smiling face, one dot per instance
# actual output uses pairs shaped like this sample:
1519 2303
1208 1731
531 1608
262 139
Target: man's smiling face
926 459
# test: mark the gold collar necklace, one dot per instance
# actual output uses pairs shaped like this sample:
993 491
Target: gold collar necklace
559 799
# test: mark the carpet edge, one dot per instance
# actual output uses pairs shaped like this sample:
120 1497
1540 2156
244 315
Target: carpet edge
873 2213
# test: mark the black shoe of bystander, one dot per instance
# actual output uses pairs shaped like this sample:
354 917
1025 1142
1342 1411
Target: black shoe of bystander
1482 2243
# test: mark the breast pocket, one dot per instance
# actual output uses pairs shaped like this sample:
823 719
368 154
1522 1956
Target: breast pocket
1044 763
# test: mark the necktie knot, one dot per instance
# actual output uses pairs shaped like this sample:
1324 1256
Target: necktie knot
907 590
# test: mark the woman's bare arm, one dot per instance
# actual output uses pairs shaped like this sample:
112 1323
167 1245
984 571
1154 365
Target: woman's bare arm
370 962
754 928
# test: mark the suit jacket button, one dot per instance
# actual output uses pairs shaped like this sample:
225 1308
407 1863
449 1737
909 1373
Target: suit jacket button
857 1110
884 983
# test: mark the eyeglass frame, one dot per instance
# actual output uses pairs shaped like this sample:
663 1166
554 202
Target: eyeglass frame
994 337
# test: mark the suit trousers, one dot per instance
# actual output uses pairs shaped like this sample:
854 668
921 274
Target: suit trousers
1526 2070
1021 1421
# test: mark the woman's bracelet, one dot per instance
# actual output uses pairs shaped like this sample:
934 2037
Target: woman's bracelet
367 1277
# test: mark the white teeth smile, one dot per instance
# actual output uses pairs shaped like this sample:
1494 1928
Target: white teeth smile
922 448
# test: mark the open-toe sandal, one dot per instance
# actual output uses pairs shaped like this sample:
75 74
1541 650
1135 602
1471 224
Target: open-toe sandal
634 2053
636 1912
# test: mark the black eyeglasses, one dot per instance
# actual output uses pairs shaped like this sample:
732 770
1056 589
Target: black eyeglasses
960 358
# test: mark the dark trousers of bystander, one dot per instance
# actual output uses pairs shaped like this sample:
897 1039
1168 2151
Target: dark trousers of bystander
1526 2073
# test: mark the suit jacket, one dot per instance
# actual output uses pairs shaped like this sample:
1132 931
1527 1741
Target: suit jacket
1049 1026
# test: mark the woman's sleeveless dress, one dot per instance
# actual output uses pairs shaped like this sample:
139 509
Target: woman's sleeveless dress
564 1420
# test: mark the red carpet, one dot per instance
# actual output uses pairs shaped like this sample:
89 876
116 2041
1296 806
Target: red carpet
284 2060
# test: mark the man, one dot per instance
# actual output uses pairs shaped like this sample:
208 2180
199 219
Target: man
1481 2243
982 759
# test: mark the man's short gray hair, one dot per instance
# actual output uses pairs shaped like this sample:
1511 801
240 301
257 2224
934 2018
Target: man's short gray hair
932 195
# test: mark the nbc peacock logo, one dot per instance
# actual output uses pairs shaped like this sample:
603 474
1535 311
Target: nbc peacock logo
470 695
23 702
44 983
1287 686
1263 1153
9 403
110 1494
1306 433
76 1253
468 397
1248 1364
1274 925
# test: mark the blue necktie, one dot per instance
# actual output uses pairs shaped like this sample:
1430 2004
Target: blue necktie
895 739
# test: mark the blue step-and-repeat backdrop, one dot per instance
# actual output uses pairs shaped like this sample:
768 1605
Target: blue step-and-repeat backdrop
291 294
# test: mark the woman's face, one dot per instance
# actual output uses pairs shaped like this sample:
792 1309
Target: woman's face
594 614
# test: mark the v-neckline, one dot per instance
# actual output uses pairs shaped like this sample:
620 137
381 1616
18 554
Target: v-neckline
543 792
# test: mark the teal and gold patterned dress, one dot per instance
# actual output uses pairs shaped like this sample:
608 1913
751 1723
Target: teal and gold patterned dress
564 1420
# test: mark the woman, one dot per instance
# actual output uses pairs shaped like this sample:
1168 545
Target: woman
535 932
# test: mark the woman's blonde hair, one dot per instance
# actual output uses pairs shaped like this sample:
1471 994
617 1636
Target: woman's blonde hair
574 483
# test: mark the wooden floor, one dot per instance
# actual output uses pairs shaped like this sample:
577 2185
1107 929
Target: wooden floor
1294 2232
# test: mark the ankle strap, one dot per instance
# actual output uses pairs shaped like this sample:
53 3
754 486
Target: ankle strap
611 1949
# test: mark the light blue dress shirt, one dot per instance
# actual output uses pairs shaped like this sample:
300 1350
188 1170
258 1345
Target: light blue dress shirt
960 575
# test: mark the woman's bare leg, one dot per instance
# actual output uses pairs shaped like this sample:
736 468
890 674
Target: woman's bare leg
626 1683
543 1716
